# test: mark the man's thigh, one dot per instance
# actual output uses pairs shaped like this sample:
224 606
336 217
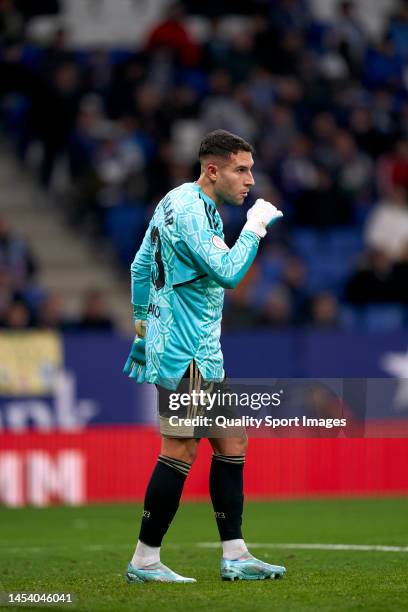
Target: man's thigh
179 413
212 414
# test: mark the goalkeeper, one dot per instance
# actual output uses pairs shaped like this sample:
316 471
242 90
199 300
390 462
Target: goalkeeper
178 280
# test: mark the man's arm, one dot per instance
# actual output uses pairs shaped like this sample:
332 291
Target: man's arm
140 278
225 266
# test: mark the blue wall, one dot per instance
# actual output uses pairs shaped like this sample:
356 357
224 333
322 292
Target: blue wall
93 389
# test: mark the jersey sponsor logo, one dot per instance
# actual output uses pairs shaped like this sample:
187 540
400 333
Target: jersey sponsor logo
219 243
154 310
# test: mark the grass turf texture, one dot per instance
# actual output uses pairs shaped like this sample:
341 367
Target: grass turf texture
85 551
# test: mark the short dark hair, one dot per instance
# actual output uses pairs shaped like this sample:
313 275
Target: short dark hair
222 143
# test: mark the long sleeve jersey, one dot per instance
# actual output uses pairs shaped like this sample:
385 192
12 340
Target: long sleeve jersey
178 279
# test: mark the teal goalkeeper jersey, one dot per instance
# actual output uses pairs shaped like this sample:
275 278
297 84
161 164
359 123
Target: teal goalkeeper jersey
178 279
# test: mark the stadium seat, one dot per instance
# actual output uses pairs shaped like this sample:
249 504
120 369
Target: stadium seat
125 225
384 317
345 241
328 255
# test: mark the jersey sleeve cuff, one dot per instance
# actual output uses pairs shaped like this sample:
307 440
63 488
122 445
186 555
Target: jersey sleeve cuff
139 311
252 233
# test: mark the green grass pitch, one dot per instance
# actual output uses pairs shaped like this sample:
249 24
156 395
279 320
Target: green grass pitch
85 551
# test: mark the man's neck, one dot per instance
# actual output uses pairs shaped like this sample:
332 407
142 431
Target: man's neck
208 189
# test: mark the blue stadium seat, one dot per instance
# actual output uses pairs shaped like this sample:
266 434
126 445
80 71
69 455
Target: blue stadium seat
271 270
345 241
384 317
120 55
305 241
125 225
316 35
350 317
329 255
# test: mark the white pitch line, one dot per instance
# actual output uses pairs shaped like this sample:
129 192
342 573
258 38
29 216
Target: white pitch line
356 547
87 547
285 545
27 549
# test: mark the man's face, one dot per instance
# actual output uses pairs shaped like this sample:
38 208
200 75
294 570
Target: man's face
233 178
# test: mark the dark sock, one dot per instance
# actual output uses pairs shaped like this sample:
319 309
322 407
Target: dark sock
226 490
162 499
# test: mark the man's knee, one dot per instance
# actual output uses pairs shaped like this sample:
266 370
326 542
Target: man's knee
230 446
183 449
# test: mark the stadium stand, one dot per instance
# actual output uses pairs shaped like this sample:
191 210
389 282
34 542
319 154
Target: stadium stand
109 129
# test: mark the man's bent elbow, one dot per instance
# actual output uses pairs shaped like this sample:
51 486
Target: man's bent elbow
229 283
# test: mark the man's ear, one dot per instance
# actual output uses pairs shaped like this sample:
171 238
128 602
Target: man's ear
212 171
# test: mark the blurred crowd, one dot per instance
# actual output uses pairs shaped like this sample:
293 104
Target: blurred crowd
24 304
324 102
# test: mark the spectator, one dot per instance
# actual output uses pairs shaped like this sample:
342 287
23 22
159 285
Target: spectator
279 131
294 278
95 315
277 308
50 313
16 259
383 66
287 59
56 54
354 168
6 295
54 111
290 15
387 225
240 59
372 281
399 278
217 47
126 78
262 89
172 34
18 316
323 205
348 34
385 115
369 137
224 107
398 28
239 312
324 311
83 144
11 24
393 168
324 131
297 170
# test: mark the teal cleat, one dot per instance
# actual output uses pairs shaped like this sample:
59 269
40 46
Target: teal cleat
155 573
250 569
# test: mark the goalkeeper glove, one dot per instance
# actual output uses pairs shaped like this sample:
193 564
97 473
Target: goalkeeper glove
135 366
261 216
